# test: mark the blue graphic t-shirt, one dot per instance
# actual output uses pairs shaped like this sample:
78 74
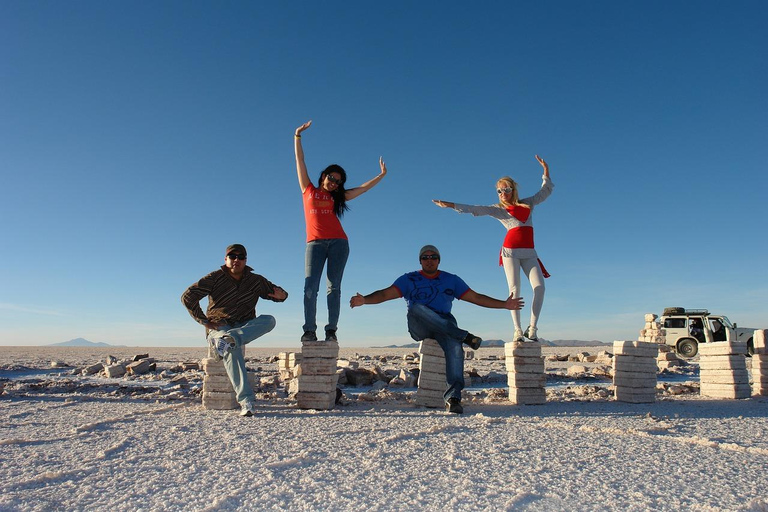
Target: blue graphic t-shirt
436 292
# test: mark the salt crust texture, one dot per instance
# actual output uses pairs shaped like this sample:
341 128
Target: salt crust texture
91 452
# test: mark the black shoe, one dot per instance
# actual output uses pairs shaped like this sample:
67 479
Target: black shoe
309 336
454 405
473 341
330 336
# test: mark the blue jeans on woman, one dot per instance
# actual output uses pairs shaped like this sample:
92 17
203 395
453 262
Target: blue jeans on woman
426 323
336 252
234 361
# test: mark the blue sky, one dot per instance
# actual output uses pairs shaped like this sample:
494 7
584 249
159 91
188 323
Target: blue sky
139 139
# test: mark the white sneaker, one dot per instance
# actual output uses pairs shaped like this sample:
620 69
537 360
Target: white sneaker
530 333
518 336
247 408
221 346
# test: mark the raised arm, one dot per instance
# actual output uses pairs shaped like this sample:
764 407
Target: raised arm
491 303
301 168
544 165
365 187
376 297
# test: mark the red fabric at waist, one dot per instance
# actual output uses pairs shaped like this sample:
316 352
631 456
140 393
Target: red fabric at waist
519 238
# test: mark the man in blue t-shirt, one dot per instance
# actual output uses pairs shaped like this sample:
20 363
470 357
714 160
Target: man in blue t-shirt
429 294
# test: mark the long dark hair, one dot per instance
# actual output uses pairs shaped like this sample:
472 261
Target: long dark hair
338 195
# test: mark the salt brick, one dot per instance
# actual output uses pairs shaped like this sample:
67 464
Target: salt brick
523 349
316 367
525 365
430 347
723 363
431 393
427 381
634 375
723 379
727 394
759 341
528 396
714 387
434 402
432 366
633 395
722 348
324 380
319 349
634 382
635 348
310 400
115 370
650 317
634 364
729 373
526 380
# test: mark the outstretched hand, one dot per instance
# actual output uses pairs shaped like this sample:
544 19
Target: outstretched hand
305 126
278 294
356 300
544 165
514 303
383 166
442 204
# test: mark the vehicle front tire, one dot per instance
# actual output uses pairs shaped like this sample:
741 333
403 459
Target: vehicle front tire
688 347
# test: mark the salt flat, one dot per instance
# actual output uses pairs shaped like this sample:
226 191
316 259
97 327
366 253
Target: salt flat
70 446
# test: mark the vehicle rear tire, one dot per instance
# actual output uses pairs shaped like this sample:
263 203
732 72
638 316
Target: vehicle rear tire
688 347
750 347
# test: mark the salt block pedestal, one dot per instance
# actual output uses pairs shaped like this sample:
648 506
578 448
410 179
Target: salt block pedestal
634 371
316 375
432 384
723 370
218 392
760 363
525 373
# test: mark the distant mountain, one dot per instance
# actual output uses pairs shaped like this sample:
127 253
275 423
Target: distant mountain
81 342
500 343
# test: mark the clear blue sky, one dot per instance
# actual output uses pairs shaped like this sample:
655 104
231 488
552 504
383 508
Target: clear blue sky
139 139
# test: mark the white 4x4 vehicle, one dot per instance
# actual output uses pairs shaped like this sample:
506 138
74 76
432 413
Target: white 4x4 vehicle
686 328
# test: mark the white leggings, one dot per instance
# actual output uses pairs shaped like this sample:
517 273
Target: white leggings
531 268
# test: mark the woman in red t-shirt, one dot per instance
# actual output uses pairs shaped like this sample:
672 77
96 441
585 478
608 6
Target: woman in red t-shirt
324 205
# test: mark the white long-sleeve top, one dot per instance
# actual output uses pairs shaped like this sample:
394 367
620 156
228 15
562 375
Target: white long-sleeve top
500 213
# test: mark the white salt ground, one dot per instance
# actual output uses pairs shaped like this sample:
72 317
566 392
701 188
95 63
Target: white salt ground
97 453
77 447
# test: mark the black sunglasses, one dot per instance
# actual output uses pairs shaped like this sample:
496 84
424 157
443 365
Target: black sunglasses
334 180
430 257
236 256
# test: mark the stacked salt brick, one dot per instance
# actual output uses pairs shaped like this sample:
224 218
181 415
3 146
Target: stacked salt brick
634 371
723 370
286 365
432 384
760 363
218 392
525 373
667 358
316 375
652 333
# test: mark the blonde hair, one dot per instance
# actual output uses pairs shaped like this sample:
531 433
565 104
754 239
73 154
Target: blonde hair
509 182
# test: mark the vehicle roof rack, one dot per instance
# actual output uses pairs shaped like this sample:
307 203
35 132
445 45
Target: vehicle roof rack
696 312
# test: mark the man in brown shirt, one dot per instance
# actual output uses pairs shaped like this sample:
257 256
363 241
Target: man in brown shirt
231 320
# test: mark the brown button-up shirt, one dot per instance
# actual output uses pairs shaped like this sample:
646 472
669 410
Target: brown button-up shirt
229 300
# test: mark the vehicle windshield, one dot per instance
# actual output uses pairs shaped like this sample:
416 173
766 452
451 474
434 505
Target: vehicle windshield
726 322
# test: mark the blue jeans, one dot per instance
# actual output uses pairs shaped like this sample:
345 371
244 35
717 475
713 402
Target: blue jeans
336 252
426 323
234 362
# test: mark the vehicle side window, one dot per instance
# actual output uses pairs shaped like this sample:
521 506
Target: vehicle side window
674 323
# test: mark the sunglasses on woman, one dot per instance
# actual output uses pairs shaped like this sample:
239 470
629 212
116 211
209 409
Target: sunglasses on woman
504 190
336 181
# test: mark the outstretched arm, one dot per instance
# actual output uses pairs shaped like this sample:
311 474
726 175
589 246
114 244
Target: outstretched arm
444 204
365 187
301 168
376 297
489 302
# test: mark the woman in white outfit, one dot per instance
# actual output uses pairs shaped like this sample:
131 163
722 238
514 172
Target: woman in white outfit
518 250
